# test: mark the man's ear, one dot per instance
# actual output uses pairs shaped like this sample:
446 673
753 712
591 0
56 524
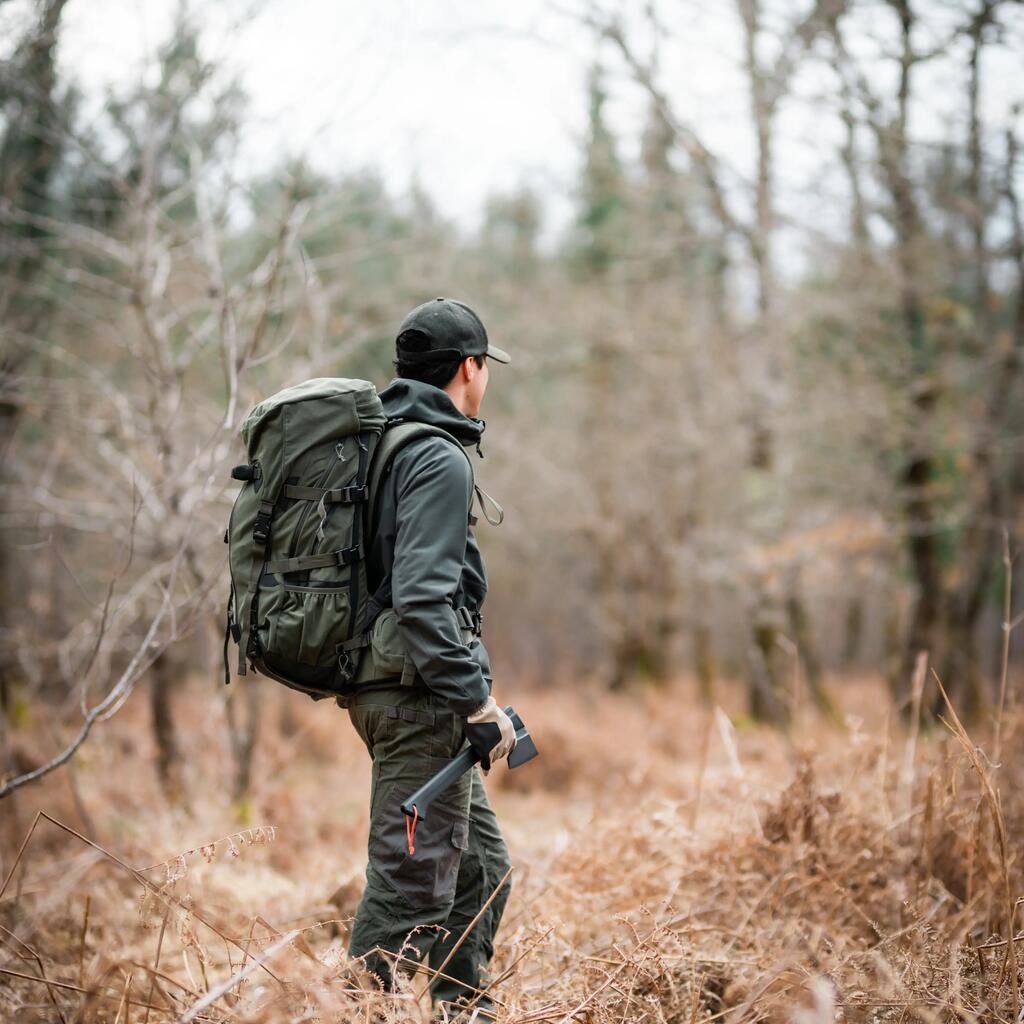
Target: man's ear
469 369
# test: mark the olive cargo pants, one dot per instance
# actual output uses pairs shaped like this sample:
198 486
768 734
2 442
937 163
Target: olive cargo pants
421 904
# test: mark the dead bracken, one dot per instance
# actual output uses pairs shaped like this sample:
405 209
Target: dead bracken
824 884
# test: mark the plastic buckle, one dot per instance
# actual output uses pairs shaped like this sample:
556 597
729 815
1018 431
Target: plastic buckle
261 529
470 621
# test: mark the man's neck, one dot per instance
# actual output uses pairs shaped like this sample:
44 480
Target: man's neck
458 397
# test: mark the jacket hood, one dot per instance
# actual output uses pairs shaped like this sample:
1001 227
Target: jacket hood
407 399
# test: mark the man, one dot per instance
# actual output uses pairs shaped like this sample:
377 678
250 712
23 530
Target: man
425 569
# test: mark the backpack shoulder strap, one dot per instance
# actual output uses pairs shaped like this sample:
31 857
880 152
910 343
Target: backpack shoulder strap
396 436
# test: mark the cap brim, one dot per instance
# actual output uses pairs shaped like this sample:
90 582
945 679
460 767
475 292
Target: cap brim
493 352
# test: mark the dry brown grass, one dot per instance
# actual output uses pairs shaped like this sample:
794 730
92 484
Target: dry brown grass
805 879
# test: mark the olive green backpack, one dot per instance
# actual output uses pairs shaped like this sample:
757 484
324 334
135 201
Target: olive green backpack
297 537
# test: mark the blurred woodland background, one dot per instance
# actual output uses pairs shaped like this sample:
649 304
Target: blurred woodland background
761 447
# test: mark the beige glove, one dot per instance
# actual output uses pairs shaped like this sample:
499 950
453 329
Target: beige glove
491 733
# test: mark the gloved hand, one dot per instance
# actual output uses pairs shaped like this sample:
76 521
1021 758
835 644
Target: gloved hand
491 733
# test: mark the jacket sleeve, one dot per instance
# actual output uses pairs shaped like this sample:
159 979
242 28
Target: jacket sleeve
434 488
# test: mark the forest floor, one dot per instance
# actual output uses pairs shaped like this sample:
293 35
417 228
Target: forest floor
669 865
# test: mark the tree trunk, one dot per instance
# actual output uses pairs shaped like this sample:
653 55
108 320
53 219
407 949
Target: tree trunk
168 755
767 692
977 216
989 477
243 712
807 651
923 634
767 700
853 631
961 672
28 158
762 108
918 476
858 209
704 663
895 645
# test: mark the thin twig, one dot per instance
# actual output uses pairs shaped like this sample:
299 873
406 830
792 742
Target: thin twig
217 991
509 971
472 924
42 970
124 998
156 961
1007 630
415 967
958 730
71 987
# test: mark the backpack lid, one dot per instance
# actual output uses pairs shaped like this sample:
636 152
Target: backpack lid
314 411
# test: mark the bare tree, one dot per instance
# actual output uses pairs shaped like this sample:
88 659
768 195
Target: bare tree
29 156
769 83
946 612
168 438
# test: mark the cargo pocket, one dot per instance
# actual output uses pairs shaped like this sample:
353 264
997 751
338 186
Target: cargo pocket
428 877
306 625
460 834
386 646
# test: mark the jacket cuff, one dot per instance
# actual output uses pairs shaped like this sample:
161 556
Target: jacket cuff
470 705
483 707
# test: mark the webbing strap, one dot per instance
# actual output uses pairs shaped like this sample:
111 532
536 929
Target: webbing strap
232 630
329 496
261 535
302 563
363 640
412 715
486 500
408 672
227 637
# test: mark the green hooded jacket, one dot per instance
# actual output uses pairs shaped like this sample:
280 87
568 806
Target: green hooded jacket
422 537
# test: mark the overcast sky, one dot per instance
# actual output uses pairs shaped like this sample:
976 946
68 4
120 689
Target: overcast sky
475 96
461 93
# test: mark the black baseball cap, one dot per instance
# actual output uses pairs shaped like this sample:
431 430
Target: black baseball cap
448 329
